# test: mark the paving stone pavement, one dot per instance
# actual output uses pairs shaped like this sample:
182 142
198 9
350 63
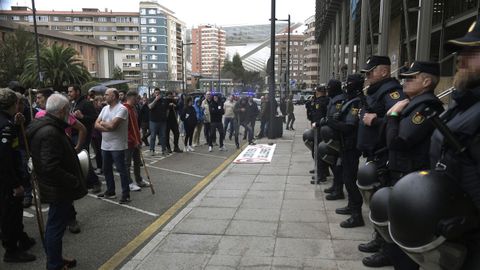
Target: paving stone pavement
259 217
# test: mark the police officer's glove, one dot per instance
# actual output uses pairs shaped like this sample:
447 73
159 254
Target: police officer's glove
456 227
324 121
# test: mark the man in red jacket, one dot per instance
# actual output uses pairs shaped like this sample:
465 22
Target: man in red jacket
134 143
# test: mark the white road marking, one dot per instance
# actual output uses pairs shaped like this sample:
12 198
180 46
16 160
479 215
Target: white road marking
179 172
207 155
125 206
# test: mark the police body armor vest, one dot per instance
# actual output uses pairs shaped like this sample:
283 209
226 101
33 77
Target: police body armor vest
417 156
349 142
368 136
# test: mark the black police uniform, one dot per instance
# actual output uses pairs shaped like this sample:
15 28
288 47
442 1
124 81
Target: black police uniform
11 207
408 142
381 96
347 125
464 168
334 107
318 110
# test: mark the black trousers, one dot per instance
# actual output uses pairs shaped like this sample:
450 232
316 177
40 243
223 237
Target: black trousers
172 125
214 126
350 168
337 171
11 221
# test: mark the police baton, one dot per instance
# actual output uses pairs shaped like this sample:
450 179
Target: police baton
450 138
35 190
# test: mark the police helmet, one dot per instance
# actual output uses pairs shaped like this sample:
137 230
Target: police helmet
308 138
327 133
367 181
326 153
379 212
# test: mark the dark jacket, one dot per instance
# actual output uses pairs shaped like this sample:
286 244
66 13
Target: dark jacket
144 114
216 112
252 111
10 175
159 111
189 116
241 115
88 110
55 161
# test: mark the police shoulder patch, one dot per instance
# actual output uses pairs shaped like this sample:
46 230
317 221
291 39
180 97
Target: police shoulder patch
354 111
417 118
395 95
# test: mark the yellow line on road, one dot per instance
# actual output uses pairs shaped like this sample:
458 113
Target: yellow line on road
127 250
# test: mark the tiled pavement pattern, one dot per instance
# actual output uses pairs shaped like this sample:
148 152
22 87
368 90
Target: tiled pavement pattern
259 217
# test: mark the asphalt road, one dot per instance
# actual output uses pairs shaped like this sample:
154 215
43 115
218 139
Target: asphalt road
107 226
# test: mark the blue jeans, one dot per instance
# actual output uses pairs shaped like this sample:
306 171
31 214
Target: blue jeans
158 129
59 215
117 157
226 121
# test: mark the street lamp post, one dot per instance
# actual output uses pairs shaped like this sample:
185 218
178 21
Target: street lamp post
184 72
287 79
271 92
37 50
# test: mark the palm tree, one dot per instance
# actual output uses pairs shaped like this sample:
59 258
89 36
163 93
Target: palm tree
59 66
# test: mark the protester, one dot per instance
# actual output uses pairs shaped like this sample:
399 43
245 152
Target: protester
172 124
113 123
158 121
206 120
144 120
189 118
97 137
216 113
134 143
200 118
58 171
228 116
290 114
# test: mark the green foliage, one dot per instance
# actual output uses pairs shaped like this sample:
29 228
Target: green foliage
14 52
117 73
89 85
59 66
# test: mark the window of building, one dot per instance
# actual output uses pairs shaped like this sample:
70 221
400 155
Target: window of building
16 18
152 30
76 19
144 66
144 57
103 37
93 66
153 39
143 30
152 48
76 28
135 20
3 17
143 20
152 11
154 75
68 28
144 39
145 75
102 19
130 56
103 28
153 57
153 66
113 19
143 11
137 64
81 49
126 65
68 19
152 21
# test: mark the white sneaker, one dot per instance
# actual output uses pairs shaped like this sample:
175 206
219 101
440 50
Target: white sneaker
209 149
223 148
191 149
186 149
134 187
194 145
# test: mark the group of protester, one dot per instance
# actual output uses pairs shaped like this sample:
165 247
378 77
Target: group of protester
389 124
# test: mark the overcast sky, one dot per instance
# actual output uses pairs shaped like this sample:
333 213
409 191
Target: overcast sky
192 12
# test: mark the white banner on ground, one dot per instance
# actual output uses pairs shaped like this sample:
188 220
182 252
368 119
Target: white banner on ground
256 154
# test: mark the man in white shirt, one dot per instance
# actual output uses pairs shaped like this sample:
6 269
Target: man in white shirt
113 123
228 117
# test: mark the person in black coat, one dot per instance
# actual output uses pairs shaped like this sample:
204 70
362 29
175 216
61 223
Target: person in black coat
216 113
144 121
58 171
189 118
14 239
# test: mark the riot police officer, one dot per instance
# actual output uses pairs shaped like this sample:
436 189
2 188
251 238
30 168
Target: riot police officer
334 90
318 110
382 93
345 121
14 239
408 135
462 164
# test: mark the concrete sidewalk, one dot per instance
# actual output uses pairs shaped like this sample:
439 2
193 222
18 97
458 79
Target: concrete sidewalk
259 217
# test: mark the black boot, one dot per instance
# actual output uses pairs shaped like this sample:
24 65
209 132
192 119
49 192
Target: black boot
320 180
336 195
379 259
356 220
329 190
372 246
344 211
18 257
311 171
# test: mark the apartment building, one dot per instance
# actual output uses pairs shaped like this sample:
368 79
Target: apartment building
117 28
297 59
97 56
208 52
311 54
